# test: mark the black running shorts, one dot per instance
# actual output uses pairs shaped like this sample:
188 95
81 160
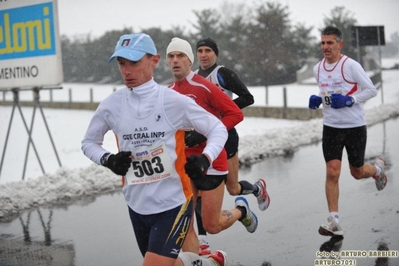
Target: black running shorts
353 139
158 232
209 182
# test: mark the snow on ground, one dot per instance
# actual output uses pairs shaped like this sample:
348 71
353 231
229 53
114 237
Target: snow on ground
78 177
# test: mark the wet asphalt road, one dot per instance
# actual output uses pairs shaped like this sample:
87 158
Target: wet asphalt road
97 231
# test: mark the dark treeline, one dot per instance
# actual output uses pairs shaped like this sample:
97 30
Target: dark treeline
258 42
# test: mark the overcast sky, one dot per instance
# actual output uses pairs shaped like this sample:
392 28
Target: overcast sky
99 16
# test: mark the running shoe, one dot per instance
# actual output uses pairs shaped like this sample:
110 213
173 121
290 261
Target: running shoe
250 221
219 257
382 179
262 197
332 229
204 248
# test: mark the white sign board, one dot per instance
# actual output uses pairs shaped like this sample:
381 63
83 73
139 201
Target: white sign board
30 45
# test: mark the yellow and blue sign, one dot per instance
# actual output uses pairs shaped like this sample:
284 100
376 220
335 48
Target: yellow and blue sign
27 31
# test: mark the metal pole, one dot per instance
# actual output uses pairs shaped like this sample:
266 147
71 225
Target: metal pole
15 94
379 48
357 45
28 145
382 91
70 95
37 101
91 95
285 102
31 141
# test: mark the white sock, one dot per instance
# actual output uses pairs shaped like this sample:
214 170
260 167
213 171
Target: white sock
335 215
203 238
190 259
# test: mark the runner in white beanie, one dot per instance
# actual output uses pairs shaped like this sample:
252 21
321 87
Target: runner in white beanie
180 45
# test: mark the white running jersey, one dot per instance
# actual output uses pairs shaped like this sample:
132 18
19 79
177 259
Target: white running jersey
149 121
348 78
154 152
213 77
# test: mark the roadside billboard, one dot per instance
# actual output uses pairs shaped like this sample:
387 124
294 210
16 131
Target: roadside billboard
30 45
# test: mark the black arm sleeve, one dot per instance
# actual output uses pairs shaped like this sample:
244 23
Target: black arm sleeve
230 81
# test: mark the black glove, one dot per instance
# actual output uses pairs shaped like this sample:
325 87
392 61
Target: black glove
193 138
120 163
196 166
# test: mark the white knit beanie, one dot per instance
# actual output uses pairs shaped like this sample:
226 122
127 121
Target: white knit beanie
180 45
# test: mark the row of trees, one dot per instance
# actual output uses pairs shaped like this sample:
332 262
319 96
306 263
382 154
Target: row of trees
264 50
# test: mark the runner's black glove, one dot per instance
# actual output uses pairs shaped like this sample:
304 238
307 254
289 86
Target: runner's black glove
119 163
196 166
193 138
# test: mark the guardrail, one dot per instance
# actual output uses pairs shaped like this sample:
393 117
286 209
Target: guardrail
283 112
258 111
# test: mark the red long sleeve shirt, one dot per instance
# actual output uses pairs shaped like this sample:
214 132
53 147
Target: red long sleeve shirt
211 98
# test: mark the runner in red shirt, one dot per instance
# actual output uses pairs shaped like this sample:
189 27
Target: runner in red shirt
206 94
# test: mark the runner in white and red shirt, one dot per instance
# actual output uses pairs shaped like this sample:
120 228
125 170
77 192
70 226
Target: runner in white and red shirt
344 88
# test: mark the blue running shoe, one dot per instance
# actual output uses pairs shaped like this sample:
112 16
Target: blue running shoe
250 221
